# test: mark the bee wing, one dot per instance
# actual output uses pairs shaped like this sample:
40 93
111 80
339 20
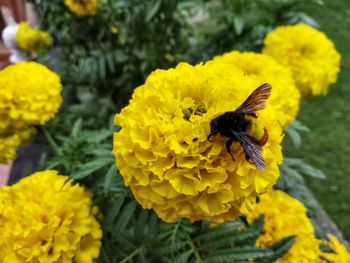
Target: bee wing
256 100
252 148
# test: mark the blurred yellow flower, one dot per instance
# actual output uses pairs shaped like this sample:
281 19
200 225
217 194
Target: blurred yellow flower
340 255
32 40
46 218
82 7
163 153
8 147
285 98
310 55
11 139
286 216
30 94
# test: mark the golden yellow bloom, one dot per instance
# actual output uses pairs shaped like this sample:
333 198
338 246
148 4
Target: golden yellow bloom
82 7
32 40
340 255
163 153
310 55
30 94
11 139
285 98
286 216
46 218
8 147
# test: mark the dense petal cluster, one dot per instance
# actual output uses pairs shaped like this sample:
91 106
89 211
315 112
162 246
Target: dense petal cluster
32 40
286 216
163 153
340 253
46 218
310 55
30 94
82 7
285 97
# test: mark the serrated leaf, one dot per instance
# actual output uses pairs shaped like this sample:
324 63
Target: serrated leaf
77 128
282 246
212 233
297 125
89 168
302 167
241 253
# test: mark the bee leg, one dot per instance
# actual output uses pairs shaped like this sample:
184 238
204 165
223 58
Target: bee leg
228 146
209 138
253 114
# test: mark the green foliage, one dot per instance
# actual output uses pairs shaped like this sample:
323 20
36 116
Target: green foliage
243 24
112 52
293 131
115 50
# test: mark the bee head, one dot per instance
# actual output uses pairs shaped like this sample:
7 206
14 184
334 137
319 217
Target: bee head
214 128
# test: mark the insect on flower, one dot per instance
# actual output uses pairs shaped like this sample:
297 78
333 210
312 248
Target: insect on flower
235 126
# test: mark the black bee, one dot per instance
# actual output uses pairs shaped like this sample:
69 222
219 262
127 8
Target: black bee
234 125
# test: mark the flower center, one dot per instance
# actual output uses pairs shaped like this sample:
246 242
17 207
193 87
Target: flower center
199 110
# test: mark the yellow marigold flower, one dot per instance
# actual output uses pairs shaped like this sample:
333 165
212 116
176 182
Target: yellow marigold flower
8 147
30 94
310 55
286 216
11 139
340 255
32 40
163 153
82 7
46 218
285 97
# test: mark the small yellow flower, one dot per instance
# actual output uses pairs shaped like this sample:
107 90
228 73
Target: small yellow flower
309 54
285 98
32 40
163 153
340 255
46 218
82 7
8 147
11 139
30 94
114 29
286 216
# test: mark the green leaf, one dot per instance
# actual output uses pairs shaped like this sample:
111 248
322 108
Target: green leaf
153 10
238 24
302 167
89 168
281 247
113 212
77 128
294 135
216 232
125 216
240 253
109 176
